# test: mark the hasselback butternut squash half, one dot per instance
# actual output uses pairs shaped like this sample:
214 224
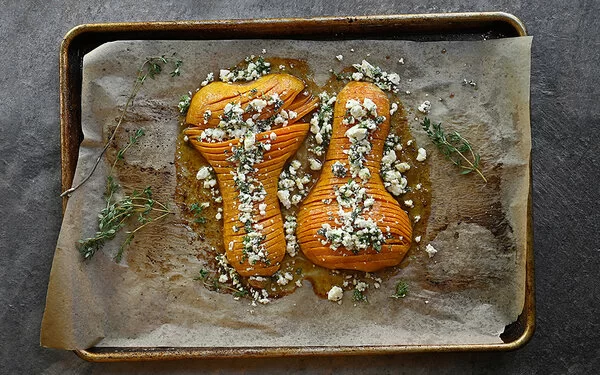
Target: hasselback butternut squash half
349 220
247 132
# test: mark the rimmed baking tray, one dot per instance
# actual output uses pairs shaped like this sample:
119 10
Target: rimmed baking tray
419 27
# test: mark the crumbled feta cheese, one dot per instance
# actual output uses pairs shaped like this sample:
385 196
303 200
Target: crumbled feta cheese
338 169
290 236
262 209
249 141
281 280
357 76
402 167
389 157
425 107
394 78
421 154
409 203
256 68
320 123
210 183
335 294
393 108
209 78
339 57
315 164
418 239
355 232
296 198
361 286
206 116
364 174
203 173
356 132
356 109
430 250
224 75
284 198
383 80
401 61
258 104
370 106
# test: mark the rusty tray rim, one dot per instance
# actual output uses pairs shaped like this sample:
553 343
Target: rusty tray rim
70 129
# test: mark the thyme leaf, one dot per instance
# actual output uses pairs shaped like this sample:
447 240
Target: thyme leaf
197 211
359 296
401 290
454 147
201 274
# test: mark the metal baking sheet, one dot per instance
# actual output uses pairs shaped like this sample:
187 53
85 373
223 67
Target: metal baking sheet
431 27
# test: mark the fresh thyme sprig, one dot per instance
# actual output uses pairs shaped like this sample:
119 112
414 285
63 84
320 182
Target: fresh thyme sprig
114 215
401 290
151 67
456 148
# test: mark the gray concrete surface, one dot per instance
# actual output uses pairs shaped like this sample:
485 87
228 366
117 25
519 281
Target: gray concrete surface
566 132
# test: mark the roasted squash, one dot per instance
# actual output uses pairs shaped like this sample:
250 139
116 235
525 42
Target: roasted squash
248 163
349 220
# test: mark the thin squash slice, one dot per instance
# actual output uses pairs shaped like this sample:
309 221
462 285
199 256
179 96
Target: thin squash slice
247 132
349 220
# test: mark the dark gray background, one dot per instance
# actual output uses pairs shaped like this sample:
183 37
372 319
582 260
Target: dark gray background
566 130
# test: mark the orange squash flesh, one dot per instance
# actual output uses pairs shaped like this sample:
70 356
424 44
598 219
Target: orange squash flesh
215 96
283 145
386 210
272 221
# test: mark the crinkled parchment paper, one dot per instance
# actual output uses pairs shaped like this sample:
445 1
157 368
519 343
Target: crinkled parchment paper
466 294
